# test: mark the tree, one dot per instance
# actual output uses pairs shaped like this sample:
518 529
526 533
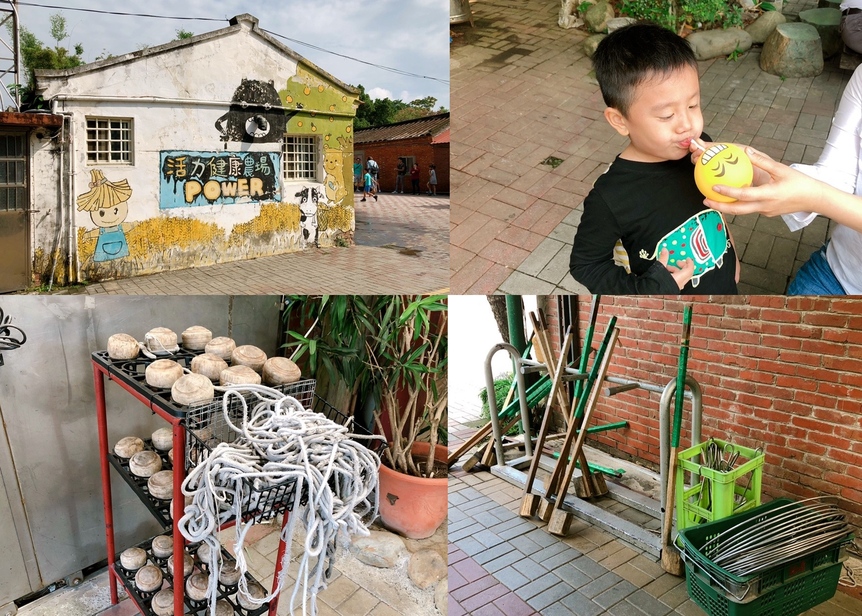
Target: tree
383 111
36 55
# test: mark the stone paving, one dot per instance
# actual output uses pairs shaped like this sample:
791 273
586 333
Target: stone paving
503 565
402 246
522 92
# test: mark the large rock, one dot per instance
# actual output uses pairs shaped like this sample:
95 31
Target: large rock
826 21
568 17
717 43
591 42
379 549
793 50
597 16
760 29
619 22
426 568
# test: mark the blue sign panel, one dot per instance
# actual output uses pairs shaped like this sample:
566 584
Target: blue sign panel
189 179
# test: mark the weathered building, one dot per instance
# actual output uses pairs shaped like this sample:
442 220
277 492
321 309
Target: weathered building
423 141
224 146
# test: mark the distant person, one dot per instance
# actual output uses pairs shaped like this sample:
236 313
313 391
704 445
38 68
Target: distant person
369 188
432 180
400 172
357 174
414 178
374 169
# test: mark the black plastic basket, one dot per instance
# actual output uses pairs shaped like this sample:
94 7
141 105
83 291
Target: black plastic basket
157 506
207 427
363 436
197 608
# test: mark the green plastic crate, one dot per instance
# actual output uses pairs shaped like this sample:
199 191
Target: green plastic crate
785 590
690 510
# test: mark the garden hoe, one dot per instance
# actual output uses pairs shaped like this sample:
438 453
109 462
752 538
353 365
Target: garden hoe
670 558
561 520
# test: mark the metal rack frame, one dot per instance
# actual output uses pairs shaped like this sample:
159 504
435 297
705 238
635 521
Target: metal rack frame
129 376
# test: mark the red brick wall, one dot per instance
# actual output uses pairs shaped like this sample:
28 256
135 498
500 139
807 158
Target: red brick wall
386 154
785 373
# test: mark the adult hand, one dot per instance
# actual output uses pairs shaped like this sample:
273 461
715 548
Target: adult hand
777 189
682 271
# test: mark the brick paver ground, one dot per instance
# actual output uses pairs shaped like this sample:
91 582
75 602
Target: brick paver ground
402 246
522 92
502 564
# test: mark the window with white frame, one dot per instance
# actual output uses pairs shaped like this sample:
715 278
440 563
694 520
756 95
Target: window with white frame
109 140
301 158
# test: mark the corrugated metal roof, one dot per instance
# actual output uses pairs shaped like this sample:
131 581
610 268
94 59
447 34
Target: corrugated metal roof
433 125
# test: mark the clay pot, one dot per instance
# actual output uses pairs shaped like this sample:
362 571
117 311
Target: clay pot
280 371
196 586
188 501
161 340
163 373
148 578
196 337
239 375
204 552
414 506
230 574
188 564
221 346
162 602
161 485
133 559
163 439
256 591
209 365
192 389
162 546
248 355
223 608
128 446
145 463
122 346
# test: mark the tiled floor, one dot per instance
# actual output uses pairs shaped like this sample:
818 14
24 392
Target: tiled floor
502 564
521 92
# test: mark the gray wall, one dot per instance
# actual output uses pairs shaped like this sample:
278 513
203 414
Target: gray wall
48 407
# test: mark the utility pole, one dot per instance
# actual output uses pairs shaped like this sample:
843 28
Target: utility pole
10 65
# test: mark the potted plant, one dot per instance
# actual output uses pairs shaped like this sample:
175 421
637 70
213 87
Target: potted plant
391 351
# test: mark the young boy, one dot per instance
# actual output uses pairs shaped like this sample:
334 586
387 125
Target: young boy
647 198
369 186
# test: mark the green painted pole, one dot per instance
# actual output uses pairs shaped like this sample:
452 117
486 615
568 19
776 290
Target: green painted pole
585 349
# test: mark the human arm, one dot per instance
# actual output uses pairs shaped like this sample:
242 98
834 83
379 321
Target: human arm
786 192
591 262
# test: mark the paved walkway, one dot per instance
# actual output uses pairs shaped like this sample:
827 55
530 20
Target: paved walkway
402 246
522 92
503 565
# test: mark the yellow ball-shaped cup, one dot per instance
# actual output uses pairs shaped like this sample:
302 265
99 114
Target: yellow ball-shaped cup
722 163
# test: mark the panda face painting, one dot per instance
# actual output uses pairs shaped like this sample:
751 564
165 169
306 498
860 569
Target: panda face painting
702 238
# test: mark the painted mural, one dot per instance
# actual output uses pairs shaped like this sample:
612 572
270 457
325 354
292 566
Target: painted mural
255 114
204 178
108 205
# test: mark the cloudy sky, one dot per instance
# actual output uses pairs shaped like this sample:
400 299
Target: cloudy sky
410 36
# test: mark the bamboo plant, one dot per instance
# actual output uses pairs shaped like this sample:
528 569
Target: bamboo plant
393 348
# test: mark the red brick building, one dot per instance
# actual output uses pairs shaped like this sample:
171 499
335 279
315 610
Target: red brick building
423 141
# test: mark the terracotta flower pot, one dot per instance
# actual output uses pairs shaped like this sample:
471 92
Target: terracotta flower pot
414 506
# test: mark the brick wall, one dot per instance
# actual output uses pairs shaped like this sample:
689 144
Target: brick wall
386 154
784 373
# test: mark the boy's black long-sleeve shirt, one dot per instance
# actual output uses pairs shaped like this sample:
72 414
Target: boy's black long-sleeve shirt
650 206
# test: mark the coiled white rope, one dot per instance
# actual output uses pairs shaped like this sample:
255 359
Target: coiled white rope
279 440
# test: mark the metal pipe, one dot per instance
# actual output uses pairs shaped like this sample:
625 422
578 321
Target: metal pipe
492 402
667 395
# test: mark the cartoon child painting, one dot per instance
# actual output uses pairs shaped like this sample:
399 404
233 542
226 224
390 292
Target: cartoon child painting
108 204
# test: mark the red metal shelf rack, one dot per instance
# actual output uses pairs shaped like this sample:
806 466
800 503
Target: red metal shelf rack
129 375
